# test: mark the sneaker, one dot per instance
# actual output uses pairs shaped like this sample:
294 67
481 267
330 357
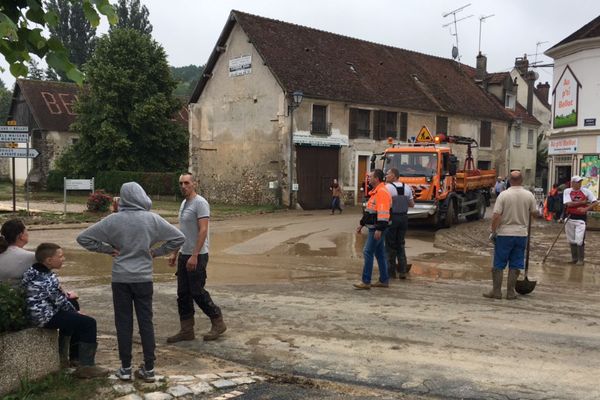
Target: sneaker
123 374
362 286
144 374
380 284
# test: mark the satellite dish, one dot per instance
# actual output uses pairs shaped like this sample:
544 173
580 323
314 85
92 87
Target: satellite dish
536 75
454 52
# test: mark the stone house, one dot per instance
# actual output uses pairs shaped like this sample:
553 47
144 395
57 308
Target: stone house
574 146
251 143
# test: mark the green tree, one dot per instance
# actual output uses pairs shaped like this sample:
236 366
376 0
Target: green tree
125 110
133 15
186 77
22 25
35 72
5 99
74 31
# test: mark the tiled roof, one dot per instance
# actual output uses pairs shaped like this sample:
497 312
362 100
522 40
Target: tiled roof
589 30
51 103
330 66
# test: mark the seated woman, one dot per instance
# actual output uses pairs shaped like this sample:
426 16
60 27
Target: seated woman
14 259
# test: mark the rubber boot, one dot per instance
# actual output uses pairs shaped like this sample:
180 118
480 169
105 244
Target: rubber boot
511 282
186 331
87 365
574 254
64 344
216 329
496 292
580 254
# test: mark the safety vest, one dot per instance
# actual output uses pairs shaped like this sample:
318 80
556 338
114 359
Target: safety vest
399 200
377 211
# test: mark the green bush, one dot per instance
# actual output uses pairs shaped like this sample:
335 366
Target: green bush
154 183
13 308
99 201
56 183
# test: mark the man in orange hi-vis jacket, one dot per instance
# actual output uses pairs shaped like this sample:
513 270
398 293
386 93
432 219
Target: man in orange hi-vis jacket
375 218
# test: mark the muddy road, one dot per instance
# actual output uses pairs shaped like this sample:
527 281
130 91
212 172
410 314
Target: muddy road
285 280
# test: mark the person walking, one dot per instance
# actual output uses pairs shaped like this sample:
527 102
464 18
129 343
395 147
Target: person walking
376 218
512 213
192 260
577 201
336 195
130 236
500 186
402 199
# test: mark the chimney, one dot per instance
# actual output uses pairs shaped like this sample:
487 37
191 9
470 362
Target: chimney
530 77
544 90
522 64
481 70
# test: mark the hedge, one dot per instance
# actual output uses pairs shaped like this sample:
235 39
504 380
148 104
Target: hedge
154 183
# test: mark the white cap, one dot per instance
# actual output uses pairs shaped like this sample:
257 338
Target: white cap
576 178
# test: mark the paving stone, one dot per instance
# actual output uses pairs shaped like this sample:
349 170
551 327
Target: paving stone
227 375
157 396
124 389
201 387
160 378
179 390
242 380
113 377
151 385
229 395
207 377
223 384
182 378
259 378
131 396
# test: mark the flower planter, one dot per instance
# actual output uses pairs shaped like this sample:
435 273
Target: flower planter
29 354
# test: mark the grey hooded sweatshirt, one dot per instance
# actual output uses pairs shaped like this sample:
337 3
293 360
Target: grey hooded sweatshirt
132 231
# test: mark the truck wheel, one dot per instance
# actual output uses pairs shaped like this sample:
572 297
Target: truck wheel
480 207
449 215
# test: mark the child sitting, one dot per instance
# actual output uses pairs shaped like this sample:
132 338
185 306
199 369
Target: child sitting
50 308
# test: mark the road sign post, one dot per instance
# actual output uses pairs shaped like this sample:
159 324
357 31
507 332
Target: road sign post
13 135
76 184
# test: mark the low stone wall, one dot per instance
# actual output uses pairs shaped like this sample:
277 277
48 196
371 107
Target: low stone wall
28 354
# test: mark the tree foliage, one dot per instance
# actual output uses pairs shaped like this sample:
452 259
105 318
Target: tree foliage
22 33
186 77
74 30
133 15
5 99
125 110
35 72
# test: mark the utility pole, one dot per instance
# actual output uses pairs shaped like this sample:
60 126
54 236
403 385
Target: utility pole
455 53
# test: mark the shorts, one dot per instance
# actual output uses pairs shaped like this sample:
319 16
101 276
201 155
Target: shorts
510 250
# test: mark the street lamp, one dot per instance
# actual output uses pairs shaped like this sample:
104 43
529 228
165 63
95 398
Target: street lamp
295 103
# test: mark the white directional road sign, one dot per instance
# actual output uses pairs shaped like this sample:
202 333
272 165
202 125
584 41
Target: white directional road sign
13 128
18 153
16 137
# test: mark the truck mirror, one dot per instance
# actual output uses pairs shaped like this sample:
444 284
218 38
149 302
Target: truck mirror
373 159
453 167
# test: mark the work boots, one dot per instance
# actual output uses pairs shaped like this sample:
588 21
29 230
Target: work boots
216 329
580 254
496 292
185 333
87 366
574 254
511 282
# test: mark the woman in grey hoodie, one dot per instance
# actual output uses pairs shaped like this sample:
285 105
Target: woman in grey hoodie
129 236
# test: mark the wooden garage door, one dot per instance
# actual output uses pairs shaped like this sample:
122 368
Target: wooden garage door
316 167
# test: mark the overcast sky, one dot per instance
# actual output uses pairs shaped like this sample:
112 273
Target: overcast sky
188 29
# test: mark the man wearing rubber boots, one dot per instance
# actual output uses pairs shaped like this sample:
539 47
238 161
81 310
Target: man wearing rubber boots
512 211
192 260
577 201
402 199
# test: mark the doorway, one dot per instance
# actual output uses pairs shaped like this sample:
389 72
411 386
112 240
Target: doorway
562 174
361 174
316 168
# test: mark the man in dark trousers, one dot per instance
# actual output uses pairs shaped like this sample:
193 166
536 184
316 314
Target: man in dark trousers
192 260
402 199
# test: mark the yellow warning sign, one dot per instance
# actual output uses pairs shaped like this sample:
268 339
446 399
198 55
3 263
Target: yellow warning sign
424 136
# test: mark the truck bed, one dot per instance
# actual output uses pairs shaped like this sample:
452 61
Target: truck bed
475 180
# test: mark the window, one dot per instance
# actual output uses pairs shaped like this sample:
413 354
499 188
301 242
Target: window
485 134
403 127
385 125
441 124
484 164
517 141
319 124
360 123
510 100
530 138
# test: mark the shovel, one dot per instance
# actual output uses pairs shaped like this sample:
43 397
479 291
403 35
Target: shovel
526 286
555 239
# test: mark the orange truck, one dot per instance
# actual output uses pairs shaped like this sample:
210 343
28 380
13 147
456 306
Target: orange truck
441 191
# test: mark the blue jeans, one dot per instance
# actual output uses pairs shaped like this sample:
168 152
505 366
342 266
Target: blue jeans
510 250
375 248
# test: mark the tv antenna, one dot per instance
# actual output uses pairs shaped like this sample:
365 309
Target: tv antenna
455 53
537 46
482 19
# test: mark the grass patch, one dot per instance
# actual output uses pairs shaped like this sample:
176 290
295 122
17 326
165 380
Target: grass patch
48 218
58 386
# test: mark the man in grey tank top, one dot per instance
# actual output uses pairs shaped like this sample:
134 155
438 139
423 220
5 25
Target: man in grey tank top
402 199
194 215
